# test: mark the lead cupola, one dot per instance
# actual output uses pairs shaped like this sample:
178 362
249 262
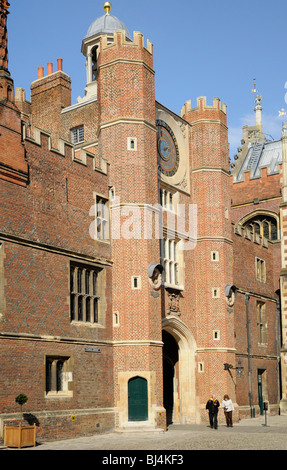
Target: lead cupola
105 25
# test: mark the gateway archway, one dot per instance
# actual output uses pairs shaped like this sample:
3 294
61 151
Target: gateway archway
170 378
179 372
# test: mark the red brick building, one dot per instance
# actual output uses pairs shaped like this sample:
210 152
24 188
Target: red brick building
138 275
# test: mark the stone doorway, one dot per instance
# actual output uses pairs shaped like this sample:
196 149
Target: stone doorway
179 376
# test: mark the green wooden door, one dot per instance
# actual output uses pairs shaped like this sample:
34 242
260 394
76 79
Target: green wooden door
138 400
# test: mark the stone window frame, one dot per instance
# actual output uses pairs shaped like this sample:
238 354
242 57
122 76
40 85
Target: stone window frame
260 269
77 134
201 367
132 144
216 335
102 218
116 319
58 376
215 256
216 292
263 223
168 199
136 283
261 322
171 262
86 293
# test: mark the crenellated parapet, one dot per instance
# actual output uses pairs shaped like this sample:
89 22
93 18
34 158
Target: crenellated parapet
209 134
217 110
258 159
124 48
65 149
125 79
121 39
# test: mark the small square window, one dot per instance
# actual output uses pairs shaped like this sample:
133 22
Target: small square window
215 292
136 282
116 319
200 367
132 143
216 335
214 256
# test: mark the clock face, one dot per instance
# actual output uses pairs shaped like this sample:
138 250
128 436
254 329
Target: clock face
167 149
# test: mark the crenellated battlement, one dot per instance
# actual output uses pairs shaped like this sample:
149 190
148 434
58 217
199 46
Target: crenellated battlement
248 175
202 107
124 50
258 160
66 149
121 39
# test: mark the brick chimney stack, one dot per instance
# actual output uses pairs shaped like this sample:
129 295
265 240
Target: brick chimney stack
49 95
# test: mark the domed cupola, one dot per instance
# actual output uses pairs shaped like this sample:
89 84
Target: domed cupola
106 25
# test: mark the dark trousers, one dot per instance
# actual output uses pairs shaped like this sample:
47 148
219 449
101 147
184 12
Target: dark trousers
213 420
228 417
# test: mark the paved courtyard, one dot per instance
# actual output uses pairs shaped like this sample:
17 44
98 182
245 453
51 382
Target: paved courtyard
249 434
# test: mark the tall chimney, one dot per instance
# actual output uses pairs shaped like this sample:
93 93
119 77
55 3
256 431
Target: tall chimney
40 72
50 68
60 64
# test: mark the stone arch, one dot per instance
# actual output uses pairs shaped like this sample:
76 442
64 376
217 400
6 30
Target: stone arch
189 405
258 217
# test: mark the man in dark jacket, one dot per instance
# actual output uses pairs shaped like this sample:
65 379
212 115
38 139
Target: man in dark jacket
212 406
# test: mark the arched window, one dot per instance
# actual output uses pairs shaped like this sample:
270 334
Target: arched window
263 225
95 62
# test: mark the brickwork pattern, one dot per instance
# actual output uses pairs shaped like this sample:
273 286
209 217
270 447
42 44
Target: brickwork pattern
45 222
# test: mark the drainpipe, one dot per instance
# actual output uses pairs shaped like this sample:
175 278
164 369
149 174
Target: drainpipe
250 394
279 345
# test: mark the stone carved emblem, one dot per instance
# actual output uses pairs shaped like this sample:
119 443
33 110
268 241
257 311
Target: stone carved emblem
173 304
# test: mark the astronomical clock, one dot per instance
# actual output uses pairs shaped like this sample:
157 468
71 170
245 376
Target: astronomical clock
167 149
172 150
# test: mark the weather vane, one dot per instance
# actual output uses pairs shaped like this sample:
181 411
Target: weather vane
258 98
254 89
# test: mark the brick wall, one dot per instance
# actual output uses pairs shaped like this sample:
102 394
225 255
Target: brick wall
265 187
263 356
43 227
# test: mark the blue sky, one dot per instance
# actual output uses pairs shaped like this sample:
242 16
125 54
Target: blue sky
201 48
